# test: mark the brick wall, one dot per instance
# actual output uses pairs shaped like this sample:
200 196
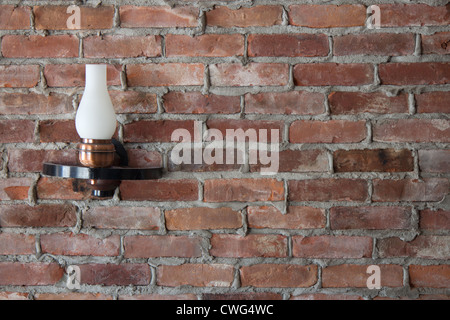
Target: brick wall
364 154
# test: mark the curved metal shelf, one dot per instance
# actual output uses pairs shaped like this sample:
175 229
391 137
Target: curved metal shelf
110 173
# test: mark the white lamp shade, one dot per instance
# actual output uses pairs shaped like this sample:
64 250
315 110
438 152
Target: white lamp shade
95 117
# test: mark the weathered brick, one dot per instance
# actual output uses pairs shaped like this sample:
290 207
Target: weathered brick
111 274
165 74
259 127
244 190
437 43
361 102
328 190
55 17
56 46
156 296
22 76
32 103
159 190
162 246
196 275
120 46
58 131
72 296
243 296
11 243
333 74
139 218
202 218
429 276
349 275
370 218
31 160
327 16
436 161
73 75
400 15
331 131
433 102
62 188
258 16
374 160
133 101
412 130
434 219
29 274
8 295
428 189
252 245
384 44
155 130
207 45
197 103
14 17
253 74
429 247
158 17
278 275
331 247
70 244
288 45
15 188
40 216
297 217
414 73
294 102
16 131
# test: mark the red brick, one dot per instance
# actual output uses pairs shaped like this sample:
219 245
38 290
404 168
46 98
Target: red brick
158 17
16 131
196 275
202 219
402 15
252 245
13 296
428 189
429 276
373 160
58 131
29 274
327 16
23 76
162 246
370 218
14 17
298 161
322 296
15 188
56 46
361 102
70 244
434 220
333 74
414 73
436 161
288 45
258 16
135 218
332 247
328 190
32 103
43 215
133 101
243 190
31 160
72 296
73 75
412 130
155 130
253 74
111 274
207 45
433 102
348 275
119 46
155 296
62 188
383 44
55 17
278 275
428 247
248 126
294 102
243 296
297 217
141 158
331 131
438 43
11 243
165 74
159 190
197 103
